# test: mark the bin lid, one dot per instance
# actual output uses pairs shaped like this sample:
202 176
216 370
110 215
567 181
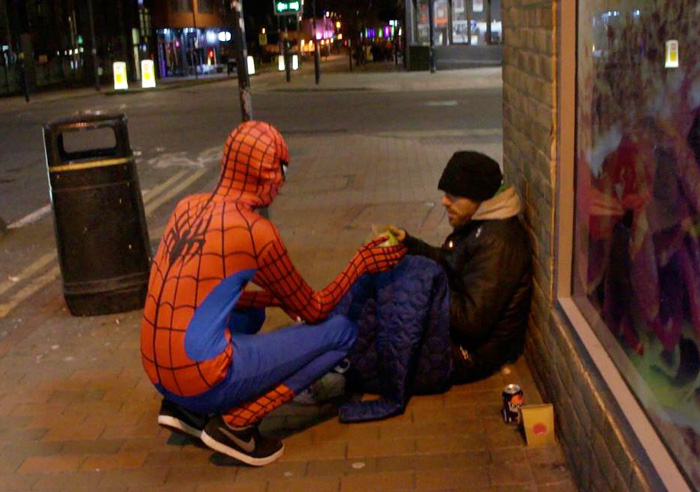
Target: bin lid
58 158
87 119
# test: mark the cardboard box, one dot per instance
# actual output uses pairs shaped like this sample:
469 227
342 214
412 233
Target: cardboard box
538 422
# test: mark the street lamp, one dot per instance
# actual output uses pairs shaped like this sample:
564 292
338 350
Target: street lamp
431 21
194 45
317 55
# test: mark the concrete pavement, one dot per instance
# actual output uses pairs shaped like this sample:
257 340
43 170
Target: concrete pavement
77 412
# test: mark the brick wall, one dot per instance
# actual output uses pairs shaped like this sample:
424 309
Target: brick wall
602 450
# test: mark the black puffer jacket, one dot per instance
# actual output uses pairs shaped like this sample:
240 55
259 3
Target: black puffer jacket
489 266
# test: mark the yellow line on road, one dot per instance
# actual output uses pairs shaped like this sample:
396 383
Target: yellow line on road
174 191
164 185
28 271
28 290
48 277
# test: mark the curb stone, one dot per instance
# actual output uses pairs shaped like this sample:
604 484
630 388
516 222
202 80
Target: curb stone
167 86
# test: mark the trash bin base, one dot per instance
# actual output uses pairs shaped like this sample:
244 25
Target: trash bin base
117 301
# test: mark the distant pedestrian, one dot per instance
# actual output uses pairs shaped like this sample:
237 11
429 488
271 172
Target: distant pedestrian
22 73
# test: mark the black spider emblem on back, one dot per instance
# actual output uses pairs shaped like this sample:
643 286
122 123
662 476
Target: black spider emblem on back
187 240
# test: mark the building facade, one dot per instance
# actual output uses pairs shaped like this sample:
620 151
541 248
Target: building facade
192 36
50 41
466 33
602 138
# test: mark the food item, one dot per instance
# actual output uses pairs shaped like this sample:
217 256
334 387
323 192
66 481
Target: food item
383 230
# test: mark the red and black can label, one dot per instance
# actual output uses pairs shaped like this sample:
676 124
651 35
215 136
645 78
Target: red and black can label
512 401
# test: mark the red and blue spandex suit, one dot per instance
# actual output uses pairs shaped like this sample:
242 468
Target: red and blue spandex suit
199 341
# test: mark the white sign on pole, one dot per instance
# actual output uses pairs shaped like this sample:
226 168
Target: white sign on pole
280 63
295 62
120 81
251 65
478 6
148 75
672 60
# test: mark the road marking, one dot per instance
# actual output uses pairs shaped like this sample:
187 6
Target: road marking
29 271
28 290
32 217
48 277
174 191
441 103
147 195
164 185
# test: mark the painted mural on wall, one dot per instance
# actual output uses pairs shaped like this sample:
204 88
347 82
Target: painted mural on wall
637 248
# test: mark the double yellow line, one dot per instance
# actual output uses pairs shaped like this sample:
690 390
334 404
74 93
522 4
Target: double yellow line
152 200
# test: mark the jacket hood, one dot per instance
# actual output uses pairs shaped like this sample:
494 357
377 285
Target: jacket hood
252 164
503 205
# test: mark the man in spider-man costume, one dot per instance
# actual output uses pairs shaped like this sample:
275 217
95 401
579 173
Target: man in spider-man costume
199 344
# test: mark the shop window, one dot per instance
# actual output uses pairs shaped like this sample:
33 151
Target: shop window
181 5
636 251
422 23
460 22
205 6
441 18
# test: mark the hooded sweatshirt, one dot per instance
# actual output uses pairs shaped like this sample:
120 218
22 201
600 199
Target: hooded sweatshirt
488 264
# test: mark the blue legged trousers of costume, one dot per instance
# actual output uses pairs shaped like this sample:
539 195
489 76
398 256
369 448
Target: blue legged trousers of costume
295 356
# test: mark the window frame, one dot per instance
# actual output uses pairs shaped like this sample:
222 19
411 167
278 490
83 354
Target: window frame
573 310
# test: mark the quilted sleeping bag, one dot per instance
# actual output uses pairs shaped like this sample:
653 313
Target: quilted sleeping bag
403 345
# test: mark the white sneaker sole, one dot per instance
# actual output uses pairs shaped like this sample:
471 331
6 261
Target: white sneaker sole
175 424
248 460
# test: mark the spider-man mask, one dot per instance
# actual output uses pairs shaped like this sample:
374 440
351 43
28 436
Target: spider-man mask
254 157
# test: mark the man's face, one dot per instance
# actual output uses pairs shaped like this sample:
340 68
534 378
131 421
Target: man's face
459 209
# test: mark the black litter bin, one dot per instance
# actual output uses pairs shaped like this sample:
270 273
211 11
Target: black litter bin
418 58
99 221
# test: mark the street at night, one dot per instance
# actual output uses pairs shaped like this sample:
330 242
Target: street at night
178 134
366 148
351 245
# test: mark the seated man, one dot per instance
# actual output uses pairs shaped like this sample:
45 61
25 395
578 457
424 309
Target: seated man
198 341
488 265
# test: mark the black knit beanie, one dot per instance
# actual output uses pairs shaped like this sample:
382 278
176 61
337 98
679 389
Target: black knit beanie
471 175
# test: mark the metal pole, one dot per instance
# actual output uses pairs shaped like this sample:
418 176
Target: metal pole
94 45
317 55
431 51
23 77
7 71
194 44
350 51
287 68
5 54
488 21
241 61
468 10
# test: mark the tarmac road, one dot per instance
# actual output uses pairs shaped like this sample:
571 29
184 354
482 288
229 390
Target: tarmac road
364 118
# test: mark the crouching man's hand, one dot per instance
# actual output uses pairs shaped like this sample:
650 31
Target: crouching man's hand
399 234
373 258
